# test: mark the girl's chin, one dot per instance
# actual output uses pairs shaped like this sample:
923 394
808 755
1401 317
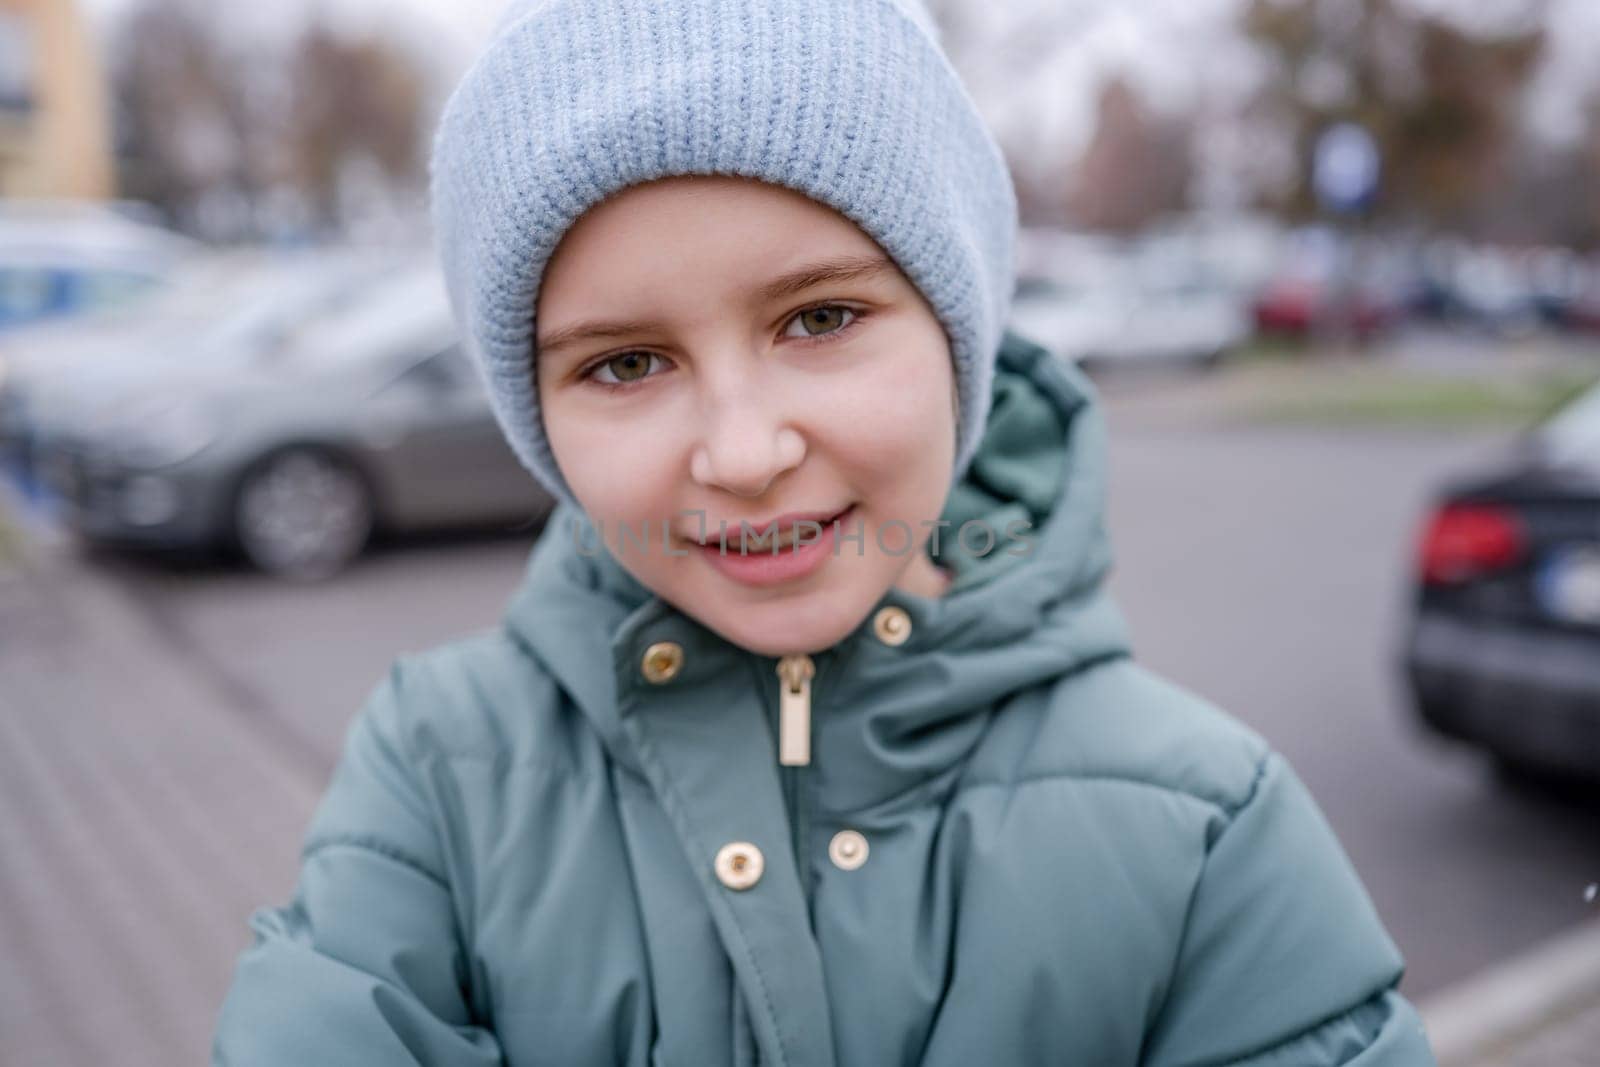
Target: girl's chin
798 624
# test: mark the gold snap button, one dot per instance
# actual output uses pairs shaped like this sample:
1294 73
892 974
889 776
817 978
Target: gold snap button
739 864
662 661
847 850
892 625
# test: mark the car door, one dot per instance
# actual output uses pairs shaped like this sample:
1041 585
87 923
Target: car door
446 461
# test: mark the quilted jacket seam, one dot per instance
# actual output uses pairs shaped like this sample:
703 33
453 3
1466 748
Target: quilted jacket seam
375 845
1228 811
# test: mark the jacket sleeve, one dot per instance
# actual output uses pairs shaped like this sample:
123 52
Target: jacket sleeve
364 964
1283 960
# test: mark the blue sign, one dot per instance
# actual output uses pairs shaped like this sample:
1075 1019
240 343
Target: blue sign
1345 168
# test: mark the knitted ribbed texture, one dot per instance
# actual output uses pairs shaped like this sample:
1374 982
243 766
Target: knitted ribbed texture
850 102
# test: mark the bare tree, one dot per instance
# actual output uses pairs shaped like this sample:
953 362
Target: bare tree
357 106
1443 103
1136 168
235 141
179 129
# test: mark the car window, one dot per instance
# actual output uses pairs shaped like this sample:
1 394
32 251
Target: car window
28 293
95 290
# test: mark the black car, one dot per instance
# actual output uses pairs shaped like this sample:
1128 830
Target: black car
1504 646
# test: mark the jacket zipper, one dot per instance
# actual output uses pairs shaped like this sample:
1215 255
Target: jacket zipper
794 710
794 746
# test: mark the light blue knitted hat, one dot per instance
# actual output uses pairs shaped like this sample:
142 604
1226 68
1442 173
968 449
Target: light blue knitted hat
851 102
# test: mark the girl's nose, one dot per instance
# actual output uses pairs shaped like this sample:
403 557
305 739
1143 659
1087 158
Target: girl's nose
744 446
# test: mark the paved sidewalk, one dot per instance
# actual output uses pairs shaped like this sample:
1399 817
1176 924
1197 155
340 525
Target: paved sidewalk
141 820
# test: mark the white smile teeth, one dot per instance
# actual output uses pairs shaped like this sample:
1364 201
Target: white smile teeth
757 543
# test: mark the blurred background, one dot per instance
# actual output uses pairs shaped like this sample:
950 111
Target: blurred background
1334 264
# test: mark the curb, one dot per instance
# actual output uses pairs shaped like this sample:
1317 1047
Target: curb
1513 1000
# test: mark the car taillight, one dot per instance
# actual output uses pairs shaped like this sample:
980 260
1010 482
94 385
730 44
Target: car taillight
1465 540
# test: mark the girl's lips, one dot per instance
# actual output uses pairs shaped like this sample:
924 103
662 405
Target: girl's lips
784 524
765 567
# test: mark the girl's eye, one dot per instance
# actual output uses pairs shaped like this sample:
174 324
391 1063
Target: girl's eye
814 323
624 369
821 321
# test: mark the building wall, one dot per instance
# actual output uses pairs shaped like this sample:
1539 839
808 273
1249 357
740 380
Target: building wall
55 136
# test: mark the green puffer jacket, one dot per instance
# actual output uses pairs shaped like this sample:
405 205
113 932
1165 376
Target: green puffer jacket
1012 844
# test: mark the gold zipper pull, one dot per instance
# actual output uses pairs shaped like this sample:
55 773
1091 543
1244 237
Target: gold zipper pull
794 710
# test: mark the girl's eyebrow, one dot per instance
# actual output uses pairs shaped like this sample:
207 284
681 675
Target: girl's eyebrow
841 269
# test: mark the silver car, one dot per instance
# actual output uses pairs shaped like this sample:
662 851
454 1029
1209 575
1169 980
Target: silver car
371 419
1146 305
219 309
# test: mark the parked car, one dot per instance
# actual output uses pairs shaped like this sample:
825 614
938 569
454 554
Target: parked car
1129 312
219 310
370 419
1503 650
1231 251
1493 292
1327 284
1558 279
1581 313
63 260
1505 293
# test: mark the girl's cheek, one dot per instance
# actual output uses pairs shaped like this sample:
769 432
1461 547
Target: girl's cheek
887 413
607 462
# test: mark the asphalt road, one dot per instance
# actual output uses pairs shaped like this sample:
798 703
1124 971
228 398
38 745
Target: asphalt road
1264 569
1268 571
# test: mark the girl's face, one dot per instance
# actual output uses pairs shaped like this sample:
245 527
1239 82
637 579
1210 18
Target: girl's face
726 348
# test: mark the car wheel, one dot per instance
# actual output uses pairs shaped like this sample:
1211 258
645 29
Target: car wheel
302 513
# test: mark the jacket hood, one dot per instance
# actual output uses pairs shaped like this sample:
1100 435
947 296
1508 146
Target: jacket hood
1009 620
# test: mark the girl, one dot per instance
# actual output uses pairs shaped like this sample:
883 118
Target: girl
812 736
